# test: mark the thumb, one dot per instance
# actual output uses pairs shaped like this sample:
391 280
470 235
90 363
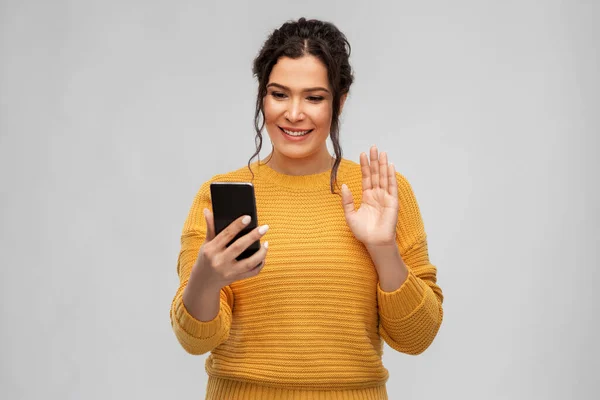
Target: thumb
210 225
347 201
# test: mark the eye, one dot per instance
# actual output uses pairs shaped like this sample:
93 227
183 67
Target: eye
315 99
278 95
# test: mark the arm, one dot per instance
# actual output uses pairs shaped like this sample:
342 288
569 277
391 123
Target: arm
194 335
409 315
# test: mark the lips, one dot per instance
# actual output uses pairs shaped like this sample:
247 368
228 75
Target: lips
294 129
283 128
295 138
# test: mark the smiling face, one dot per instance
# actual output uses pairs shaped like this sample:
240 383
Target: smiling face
298 113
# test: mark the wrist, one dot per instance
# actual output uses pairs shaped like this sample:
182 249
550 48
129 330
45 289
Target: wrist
390 266
201 303
199 291
200 281
383 248
385 257
196 291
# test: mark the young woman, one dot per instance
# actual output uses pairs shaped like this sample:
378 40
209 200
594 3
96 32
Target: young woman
343 264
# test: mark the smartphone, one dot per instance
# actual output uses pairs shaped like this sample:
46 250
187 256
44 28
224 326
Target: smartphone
231 200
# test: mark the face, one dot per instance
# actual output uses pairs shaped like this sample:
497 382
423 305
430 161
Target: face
298 108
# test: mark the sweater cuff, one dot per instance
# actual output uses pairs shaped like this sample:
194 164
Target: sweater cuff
194 327
402 301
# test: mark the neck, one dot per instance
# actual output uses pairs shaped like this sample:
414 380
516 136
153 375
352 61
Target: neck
313 164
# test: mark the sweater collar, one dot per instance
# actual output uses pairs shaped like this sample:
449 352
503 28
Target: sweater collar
312 182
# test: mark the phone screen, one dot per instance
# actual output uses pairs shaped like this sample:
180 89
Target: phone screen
231 200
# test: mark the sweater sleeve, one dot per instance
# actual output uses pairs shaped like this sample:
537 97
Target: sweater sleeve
195 336
410 317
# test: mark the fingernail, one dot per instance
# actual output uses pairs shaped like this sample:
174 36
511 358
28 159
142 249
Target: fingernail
266 245
246 220
263 229
206 212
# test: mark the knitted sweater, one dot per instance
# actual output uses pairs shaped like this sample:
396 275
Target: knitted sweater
311 324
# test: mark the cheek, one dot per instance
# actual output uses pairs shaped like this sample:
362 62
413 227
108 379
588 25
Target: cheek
322 116
272 109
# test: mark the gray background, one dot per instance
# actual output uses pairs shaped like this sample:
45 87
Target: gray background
113 113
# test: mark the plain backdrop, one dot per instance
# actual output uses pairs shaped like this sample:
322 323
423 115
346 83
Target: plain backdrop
113 113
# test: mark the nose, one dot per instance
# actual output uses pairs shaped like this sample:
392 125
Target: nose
294 112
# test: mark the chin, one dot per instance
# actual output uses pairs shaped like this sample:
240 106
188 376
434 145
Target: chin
295 154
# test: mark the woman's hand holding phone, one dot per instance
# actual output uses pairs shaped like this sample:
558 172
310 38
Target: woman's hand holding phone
217 267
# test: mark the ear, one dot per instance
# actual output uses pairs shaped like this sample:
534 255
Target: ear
343 101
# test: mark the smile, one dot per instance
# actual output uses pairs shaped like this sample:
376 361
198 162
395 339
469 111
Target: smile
296 132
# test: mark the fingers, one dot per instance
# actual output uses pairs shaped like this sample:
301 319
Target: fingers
252 265
236 248
374 167
227 234
383 171
392 182
366 172
347 200
377 172
210 225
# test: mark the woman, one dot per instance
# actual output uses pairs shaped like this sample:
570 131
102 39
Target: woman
306 316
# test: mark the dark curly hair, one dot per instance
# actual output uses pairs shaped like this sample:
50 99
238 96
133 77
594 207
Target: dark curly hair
295 39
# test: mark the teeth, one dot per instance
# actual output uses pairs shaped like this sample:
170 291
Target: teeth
295 133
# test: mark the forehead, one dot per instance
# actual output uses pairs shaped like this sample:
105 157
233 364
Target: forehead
299 73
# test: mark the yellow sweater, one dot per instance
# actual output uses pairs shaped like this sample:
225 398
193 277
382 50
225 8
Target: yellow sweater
311 324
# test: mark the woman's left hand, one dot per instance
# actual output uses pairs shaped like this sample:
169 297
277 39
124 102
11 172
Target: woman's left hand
374 223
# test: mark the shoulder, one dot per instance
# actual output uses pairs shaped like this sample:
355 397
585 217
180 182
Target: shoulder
241 174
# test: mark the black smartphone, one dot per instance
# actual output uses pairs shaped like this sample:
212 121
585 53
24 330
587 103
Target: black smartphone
231 200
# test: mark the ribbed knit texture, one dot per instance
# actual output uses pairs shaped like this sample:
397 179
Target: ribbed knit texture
311 325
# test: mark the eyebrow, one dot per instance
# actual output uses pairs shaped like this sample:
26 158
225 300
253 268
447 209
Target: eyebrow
313 89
